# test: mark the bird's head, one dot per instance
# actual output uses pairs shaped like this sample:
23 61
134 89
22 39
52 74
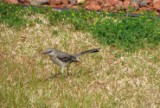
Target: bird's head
49 51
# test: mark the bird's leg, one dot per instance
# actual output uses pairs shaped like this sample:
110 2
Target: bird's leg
62 71
67 70
54 75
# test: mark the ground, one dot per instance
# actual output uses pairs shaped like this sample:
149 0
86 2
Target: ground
110 78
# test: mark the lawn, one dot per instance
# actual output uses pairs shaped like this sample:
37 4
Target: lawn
125 73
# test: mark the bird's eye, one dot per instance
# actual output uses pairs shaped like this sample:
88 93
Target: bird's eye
49 51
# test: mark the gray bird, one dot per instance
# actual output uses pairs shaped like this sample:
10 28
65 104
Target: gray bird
63 59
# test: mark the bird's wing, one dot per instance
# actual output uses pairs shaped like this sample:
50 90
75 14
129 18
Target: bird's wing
65 58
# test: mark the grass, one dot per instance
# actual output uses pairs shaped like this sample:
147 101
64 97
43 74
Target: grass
111 78
129 33
119 30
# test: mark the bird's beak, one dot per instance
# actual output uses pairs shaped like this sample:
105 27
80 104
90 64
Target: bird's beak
44 52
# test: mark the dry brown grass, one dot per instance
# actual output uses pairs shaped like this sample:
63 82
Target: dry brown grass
110 78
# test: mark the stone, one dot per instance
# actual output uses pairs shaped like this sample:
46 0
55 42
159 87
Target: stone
11 1
126 4
156 5
119 5
73 2
135 5
149 1
58 2
143 3
100 2
107 4
65 1
38 2
113 2
144 9
80 1
155 1
25 2
55 2
94 5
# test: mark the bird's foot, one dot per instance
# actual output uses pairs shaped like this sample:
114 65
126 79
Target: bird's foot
69 74
54 75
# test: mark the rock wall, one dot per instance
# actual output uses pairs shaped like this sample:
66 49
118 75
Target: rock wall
103 5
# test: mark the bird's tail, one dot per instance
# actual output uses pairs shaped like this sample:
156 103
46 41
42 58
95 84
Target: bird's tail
87 52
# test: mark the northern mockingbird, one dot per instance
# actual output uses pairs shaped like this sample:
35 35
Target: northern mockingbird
63 59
